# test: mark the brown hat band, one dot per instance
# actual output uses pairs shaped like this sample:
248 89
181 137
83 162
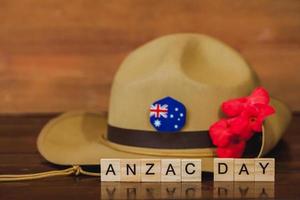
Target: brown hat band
171 140
162 140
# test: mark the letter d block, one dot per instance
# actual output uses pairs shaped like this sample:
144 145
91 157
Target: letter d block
191 170
223 169
264 169
110 169
130 170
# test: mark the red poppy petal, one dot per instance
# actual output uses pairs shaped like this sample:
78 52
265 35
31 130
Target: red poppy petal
265 110
241 126
233 107
254 121
259 95
251 110
232 151
257 126
219 133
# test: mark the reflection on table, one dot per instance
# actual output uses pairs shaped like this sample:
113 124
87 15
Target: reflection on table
121 190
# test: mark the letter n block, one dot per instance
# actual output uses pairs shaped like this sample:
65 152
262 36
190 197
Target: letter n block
244 169
130 170
110 169
150 170
223 169
191 170
264 169
170 170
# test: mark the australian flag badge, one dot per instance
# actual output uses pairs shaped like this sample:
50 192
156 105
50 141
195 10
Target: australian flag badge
167 115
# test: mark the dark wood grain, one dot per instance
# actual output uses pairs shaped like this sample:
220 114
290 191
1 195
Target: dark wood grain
18 154
54 51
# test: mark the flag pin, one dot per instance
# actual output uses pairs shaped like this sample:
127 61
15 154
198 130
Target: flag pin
167 115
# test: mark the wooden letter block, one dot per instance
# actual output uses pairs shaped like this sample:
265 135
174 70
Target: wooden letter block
130 170
244 169
265 169
110 169
170 170
223 169
150 170
191 170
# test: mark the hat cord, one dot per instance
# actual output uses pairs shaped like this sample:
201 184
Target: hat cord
76 170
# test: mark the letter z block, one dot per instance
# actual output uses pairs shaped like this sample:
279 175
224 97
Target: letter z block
150 170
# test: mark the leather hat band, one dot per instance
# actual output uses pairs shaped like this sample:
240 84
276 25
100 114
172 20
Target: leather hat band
153 139
171 140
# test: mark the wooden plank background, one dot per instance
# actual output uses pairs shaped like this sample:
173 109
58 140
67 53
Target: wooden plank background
61 55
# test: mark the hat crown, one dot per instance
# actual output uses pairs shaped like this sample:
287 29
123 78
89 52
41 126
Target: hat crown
197 70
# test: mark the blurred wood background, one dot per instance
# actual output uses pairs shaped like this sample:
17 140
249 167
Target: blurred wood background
61 55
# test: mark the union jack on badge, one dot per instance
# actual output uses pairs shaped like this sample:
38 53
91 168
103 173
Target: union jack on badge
167 115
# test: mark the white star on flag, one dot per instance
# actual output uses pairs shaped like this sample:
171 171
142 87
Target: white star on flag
157 123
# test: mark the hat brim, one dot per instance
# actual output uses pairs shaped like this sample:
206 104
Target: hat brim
79 138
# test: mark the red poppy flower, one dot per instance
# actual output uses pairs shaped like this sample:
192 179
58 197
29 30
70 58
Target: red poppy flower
247 115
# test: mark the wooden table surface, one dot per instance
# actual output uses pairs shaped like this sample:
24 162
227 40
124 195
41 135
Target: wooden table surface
18 154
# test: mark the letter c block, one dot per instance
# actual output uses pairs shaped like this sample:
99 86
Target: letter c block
191 170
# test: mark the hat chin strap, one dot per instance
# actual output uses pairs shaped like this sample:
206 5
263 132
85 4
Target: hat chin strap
74 170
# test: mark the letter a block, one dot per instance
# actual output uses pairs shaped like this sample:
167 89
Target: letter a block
170 170
223 169
244 169
130 170
150 170
191 170
110 169
265 169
